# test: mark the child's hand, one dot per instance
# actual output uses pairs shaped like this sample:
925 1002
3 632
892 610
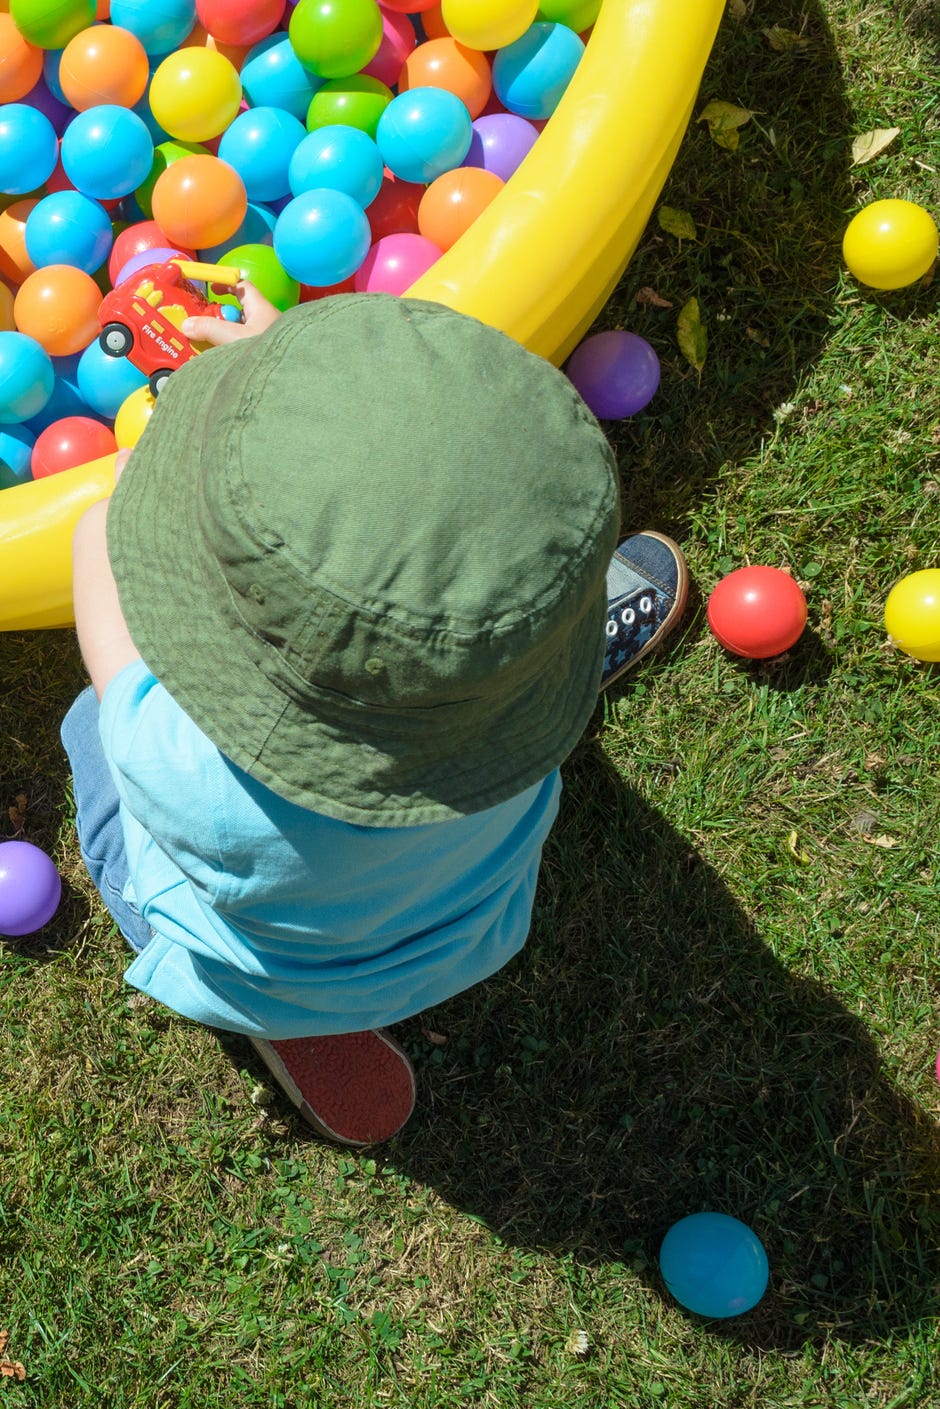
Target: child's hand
258 314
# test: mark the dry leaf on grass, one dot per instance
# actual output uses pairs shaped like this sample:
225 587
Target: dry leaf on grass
652 298
869 145
723 120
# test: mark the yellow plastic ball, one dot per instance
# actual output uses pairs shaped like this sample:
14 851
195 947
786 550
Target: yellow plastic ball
890 244
488 24
912 614
132 417
195 93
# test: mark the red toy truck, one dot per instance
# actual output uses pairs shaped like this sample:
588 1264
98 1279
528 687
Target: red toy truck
141 318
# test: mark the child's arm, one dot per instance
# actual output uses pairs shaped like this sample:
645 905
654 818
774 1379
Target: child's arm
258 315
103 637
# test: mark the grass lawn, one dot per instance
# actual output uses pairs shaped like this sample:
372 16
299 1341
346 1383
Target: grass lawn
729 997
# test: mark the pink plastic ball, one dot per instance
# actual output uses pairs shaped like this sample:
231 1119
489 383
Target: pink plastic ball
398 40
394 263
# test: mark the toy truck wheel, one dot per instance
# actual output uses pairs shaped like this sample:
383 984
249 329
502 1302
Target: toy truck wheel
115 339
159 379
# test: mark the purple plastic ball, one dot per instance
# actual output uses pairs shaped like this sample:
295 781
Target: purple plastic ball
30 888
616 373
499 143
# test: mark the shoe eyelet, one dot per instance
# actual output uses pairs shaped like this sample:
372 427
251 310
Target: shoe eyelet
628 616
611 629
646 605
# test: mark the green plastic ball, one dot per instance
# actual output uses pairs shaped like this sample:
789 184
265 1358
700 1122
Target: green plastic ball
356 101
334 38
50 24
261 266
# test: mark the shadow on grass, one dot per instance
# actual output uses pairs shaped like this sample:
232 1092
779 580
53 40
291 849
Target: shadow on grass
647 1057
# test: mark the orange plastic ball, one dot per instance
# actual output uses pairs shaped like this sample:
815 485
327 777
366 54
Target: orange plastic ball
15 263
20 62
443 63
104 64
199 201
432 22
453 201
58 306
7 321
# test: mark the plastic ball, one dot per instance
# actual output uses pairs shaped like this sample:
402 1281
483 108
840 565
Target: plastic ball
199 201
26 377
241 22
20 62
423 133
69 228
452 203
43 100
357 101
52 23
890 244
261 266
342 158
70 442
578 15
58 306
160 25
139 238
334 38
410 7
164 155
66 398
30 888
531 75
394 263
257 228
106 382
107 151
104 64
28 148
616 373
912 614
158 255
487 24
443 63
16 449
398 40
259 144
15 263
273 76
500 142
395 209
321 237
714 1265
132 417
195 94
757 612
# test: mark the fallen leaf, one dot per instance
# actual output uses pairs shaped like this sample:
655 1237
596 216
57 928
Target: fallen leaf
18 811
737 9
692 337
793 847
4 1340
14 1368
723 120
780 39
868 145
436 1039
881 840
654 300
676 222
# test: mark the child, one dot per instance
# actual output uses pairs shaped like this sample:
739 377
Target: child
344 616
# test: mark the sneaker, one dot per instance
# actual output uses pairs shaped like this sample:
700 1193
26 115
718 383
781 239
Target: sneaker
647 584
356 1088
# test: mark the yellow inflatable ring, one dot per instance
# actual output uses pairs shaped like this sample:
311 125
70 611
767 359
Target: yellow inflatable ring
539 263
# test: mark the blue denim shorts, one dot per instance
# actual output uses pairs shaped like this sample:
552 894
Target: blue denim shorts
100 835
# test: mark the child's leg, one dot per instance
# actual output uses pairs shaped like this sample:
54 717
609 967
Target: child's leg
100 835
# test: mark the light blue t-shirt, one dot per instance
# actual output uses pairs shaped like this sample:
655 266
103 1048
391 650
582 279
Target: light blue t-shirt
275 921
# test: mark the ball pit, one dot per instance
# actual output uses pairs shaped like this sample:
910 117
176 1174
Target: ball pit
539 261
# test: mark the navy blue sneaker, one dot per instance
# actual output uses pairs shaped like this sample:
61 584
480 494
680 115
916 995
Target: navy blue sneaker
647 585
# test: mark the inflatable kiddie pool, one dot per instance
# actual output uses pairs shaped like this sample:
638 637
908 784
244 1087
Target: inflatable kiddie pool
539 263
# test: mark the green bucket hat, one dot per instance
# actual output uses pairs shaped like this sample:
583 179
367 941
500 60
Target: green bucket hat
366 553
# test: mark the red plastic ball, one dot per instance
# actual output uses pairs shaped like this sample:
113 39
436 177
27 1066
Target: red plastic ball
757 612
240 22
72 441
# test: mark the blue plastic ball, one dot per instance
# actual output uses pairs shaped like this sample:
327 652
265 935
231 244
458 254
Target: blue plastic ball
69 228
16 452
343 158
257 228
106 382
423 133
273 76
259 144
714 1264
66 399
321 237
531 74
107 151
160 25
26 377
29 148
50 72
